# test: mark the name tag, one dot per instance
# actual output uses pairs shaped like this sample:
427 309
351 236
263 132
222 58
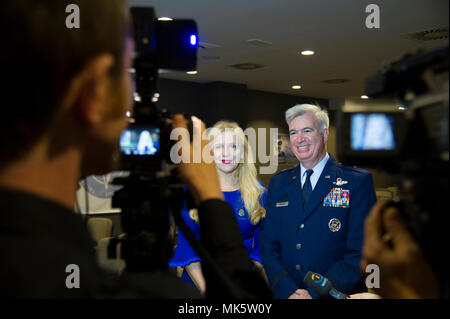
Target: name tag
282 204
337 197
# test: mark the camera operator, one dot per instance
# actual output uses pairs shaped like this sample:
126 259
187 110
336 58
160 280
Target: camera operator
64 106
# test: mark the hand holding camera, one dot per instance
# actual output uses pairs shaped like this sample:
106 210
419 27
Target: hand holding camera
201 178
404 271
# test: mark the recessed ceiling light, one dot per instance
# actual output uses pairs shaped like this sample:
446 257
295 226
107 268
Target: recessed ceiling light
296 87
191 72
364 97
165 19
307 52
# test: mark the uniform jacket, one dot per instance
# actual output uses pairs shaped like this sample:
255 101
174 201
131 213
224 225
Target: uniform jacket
325 236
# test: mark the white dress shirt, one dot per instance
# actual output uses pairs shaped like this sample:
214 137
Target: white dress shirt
317 171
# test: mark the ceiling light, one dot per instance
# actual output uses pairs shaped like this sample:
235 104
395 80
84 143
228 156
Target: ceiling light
165 19
364 97
296 87
401 108
191 72
307 52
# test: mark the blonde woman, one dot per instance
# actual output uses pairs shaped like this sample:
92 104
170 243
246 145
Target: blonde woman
241 189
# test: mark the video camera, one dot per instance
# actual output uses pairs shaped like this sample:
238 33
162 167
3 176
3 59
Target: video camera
411 144
167 44
412 138
150 193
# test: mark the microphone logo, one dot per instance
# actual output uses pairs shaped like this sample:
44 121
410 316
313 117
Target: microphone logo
318 279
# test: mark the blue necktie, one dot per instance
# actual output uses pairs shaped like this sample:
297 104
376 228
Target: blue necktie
307 188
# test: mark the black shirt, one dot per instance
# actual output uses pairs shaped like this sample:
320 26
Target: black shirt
40 238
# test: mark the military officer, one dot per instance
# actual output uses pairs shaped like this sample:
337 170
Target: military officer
315 213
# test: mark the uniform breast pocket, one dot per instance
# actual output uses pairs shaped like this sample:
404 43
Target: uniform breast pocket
283 212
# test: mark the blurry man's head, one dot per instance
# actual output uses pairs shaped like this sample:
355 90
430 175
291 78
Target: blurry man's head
308 130
69 86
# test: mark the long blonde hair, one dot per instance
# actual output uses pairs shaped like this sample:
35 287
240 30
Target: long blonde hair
246 174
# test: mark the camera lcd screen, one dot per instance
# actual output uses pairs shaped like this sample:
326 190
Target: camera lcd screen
372 131
140 140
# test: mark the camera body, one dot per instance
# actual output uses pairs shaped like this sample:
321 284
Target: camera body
407 140
172 45
150 192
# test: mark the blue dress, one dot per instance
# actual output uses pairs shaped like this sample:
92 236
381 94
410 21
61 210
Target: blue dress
184 254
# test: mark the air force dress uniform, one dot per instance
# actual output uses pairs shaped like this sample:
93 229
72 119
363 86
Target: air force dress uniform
325 236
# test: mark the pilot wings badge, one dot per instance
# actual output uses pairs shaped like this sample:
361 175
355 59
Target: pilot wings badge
339 182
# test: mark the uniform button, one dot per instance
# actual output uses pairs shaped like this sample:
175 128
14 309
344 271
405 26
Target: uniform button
298 246
302 226
298 267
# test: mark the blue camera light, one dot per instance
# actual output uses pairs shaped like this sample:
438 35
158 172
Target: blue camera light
193 40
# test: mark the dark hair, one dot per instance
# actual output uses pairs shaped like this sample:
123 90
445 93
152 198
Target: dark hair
40 56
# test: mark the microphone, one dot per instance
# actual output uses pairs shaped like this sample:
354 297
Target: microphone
322 286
